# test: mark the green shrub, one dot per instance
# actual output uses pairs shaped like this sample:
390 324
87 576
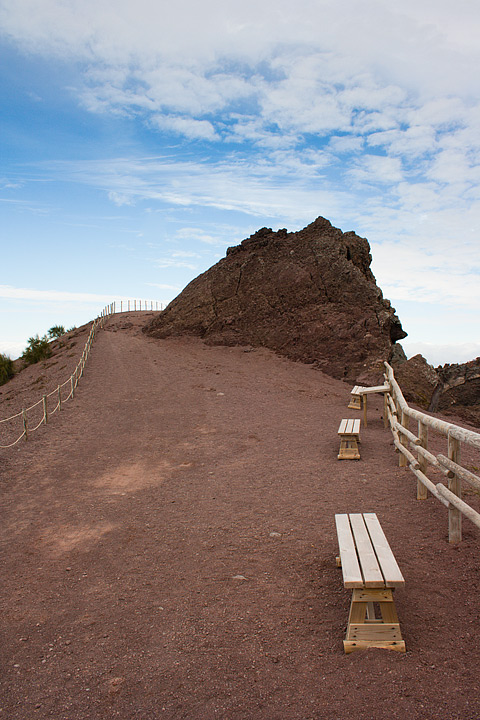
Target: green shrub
56 331
6 369
37 349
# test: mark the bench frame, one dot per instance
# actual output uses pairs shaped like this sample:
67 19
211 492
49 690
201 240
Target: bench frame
370 569
359 395
349 432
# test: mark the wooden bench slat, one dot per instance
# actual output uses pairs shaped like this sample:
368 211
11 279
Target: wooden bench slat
341 429
349 426
369 390
389 566
352 576
371 572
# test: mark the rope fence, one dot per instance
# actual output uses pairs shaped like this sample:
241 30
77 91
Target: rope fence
40 412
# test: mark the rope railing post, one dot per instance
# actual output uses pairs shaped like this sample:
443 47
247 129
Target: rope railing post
45 409
59 398
25 424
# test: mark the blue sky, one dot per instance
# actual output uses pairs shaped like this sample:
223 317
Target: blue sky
140 139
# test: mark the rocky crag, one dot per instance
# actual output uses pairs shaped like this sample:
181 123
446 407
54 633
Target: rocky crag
458 390
308 295
451 389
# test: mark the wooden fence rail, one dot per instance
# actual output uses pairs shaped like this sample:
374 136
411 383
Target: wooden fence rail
414 453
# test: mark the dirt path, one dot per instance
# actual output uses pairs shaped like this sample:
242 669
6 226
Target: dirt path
168 550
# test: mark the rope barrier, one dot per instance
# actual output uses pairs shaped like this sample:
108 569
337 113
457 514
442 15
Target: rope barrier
74 378
12 417
14 443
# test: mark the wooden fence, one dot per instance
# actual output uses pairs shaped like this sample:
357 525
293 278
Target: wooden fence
414 453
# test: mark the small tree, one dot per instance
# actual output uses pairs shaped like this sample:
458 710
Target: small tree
56 331
6 369
37 349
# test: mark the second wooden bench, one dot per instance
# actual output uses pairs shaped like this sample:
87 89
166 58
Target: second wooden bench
349 432
370 569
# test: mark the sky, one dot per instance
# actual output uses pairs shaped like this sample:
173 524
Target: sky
139 140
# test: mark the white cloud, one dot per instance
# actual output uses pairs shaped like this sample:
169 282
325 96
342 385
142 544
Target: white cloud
377 169
120 198
163 286
12 349
188 127
440 354
296 92
56 296
173 262
310 67
280 186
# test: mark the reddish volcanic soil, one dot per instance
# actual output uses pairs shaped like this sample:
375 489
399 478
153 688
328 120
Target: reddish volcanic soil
169 547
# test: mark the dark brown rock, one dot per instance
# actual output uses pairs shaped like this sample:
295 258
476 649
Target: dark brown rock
309 295
458 390
417 380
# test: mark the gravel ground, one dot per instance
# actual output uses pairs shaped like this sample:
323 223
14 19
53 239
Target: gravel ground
168 546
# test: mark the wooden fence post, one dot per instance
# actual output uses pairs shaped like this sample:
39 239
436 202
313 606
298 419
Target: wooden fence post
45 409
59 398
455 485
422 492
25 424
402 461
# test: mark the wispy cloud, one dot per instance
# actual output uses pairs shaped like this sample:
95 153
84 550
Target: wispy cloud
55 296
437 354
163 286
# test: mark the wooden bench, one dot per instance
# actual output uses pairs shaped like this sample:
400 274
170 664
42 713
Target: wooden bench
349 432
369 568
356 398
359 394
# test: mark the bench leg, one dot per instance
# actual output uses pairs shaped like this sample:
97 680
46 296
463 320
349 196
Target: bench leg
369 628
349 448
355 402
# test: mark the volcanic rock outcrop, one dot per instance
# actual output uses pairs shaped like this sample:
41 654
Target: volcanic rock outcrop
458 390
308 295
451 389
